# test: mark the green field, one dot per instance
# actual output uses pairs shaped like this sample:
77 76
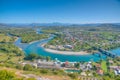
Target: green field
104 66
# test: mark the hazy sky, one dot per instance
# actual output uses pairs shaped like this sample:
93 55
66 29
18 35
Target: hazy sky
65 11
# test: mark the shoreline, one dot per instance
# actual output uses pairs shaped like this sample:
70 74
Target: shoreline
66 52
57 51
32 42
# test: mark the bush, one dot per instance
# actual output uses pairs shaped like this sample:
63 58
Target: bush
31 79
44 71
28 67
20 67
55 72
31 56
73 75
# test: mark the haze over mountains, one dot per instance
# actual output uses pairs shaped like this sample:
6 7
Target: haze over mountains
59 24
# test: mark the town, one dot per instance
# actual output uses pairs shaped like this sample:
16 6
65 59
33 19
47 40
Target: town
86 70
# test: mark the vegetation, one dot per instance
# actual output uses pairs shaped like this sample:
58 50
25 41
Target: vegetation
4 38
80 38
104 66
85 39
33 56
28 67
28 35
11 48
10 75
10 54
73 76
6 75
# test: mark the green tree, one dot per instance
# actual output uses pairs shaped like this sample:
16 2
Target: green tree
44 71
117 78
73 75
106 78
28 67
48 58
31 56
19 67
77 65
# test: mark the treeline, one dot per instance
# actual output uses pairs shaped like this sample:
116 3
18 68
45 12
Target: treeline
33 56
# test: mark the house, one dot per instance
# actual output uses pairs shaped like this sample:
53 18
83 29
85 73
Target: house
60 47
89 66
82 67
117 71
114 67
100 71
83 74
68 46
66 64
111 62
98 66
35 65
90 74
86 66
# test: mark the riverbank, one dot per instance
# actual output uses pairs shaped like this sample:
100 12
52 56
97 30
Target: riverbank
66 52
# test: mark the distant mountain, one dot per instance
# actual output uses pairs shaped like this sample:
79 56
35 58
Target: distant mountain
115 25
51 24
78 25
61 24
15 25
35 24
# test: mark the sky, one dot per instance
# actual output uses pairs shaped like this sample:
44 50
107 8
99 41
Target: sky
64 11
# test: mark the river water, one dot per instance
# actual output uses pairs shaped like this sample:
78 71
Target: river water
35 47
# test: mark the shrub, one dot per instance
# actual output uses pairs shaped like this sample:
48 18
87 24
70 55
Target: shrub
73 75
44 71
28 67
19 67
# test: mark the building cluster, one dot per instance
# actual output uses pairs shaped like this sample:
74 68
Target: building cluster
82 67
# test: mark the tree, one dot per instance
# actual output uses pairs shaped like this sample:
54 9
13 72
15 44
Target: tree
106 78
44 71
77 65
19 67
117 78
28 67
48 58
31 56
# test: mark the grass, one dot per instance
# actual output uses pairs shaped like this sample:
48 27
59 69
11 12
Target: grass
104 66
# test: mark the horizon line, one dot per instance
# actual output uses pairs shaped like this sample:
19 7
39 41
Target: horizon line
58 23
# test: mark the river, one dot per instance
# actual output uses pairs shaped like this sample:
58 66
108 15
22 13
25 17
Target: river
35 47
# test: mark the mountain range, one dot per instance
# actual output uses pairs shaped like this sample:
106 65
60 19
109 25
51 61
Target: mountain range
59 24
